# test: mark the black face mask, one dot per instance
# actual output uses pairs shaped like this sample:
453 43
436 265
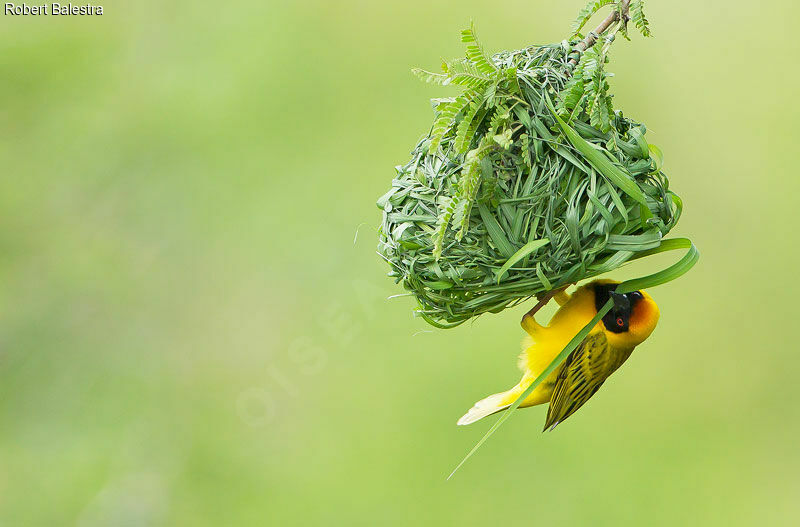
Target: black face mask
618 319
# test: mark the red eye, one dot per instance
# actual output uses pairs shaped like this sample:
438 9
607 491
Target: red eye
620 322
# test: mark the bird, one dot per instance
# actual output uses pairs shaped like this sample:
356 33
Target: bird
608 345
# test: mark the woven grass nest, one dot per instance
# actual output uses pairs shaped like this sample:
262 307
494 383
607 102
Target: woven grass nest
528 181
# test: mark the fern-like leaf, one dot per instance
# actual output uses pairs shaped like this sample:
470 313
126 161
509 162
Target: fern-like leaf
589 70
468 187
504 139
438 103
598 101
448 208
588 12
446 119
464 73
499 119
570 97
468 126
476 54
468 81
459 72
526 150
512 81
601 114
610 111
639 20
591 62
430 77
461 217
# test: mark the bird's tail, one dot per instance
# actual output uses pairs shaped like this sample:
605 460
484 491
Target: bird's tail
492 404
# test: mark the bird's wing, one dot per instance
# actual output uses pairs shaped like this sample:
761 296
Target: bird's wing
583 373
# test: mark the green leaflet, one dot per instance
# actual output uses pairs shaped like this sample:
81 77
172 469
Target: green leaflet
449 207
444 121
468 188
638 18
430 77
586 13
572 94
468 126
465 73
475 52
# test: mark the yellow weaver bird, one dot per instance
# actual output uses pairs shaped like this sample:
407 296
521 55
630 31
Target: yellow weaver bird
632 319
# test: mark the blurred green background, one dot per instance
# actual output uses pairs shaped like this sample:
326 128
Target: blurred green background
190 336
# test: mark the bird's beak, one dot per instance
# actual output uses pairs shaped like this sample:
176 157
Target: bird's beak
620 301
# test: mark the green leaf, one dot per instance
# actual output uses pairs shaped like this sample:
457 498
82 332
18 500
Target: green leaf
601 113
475 52
523 116
639 20
670 273
464 73
527 249
504 139
638 136
467 127
657 156
439 325
499 119
495 231
526 149
571 95
587 12
448 207
430 77
440 285
634 242
468 187
617 199
446 119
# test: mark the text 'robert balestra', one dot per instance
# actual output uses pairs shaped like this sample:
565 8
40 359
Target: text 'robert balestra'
52 9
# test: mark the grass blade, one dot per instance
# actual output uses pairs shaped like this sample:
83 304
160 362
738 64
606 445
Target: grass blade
635 242
657 155
495 231
669 274
527 249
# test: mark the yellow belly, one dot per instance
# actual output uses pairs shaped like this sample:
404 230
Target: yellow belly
541 394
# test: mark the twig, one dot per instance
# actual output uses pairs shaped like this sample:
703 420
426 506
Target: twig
544 299
591 38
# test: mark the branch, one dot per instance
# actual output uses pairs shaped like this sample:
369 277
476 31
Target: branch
591 38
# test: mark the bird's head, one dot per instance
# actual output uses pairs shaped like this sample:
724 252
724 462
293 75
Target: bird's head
632 318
